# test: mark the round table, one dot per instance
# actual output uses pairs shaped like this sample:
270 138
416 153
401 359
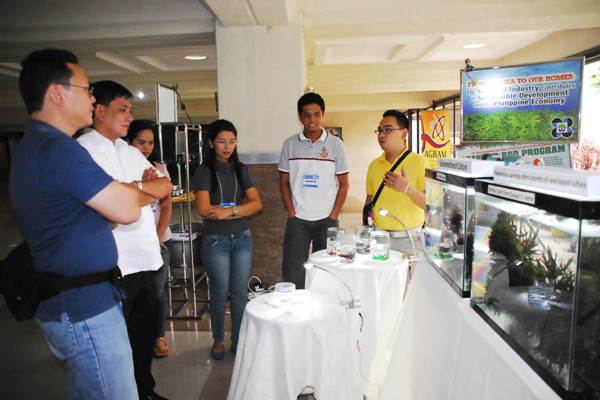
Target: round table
286 347
380 286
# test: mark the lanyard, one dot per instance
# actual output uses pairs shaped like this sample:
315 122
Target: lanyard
221 187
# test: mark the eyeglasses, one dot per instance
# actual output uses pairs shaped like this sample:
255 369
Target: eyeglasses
224 142
90 88
387 131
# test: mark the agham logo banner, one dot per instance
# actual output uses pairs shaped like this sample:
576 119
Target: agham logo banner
436 134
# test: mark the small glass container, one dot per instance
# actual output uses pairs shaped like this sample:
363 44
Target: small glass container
362 239
335 236
346 253
539 293
380 245
285 290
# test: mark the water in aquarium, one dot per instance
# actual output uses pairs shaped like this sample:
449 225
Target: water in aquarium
448 232
536 278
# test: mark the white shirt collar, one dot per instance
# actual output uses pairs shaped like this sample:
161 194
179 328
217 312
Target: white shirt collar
321 138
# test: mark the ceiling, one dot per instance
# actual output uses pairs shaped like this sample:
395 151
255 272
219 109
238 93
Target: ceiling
360 54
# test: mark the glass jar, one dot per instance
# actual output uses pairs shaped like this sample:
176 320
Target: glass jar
380 245
335 236
362 238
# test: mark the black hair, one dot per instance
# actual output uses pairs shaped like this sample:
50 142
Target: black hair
41 69
401 118
139 125
310 98
107 91
214 129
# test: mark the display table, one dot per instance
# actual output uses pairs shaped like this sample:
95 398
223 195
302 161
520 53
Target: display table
444 351
285 348
380 287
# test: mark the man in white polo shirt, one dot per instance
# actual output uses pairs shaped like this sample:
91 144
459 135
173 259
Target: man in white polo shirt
137 243
313 173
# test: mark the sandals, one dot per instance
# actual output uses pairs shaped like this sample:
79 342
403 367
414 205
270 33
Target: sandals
160 348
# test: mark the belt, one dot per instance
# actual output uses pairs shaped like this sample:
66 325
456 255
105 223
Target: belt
404 234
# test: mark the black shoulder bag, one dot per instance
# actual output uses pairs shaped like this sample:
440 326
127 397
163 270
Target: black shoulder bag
23 288
367 215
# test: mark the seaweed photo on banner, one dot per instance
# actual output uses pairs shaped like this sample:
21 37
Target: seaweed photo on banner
513 125
530 103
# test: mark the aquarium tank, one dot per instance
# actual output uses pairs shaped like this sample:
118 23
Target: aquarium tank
449 218
536 271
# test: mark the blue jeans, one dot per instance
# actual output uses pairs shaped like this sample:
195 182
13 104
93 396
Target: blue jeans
97 355
160 279
228 261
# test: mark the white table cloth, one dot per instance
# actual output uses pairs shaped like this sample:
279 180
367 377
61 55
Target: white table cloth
286 347
445 351
380 287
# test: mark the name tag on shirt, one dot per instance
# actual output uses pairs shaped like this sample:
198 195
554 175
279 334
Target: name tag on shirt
310 181
230 204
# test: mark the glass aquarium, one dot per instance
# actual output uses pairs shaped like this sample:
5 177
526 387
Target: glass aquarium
449 218
536 279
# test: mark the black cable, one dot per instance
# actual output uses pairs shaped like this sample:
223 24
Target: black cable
183 107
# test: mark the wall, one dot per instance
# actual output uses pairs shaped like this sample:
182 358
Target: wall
268 226
361 148
260 78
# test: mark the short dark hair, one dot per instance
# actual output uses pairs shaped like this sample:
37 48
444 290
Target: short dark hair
310 98
401 118
139 125
42 68
107 91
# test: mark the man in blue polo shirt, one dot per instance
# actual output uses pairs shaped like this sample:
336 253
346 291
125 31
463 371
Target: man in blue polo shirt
311 162
63 202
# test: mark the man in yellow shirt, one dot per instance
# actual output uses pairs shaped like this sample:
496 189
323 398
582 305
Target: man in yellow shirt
403 194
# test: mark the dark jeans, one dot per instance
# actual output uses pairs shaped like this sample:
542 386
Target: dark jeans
140 309
160 280
296 246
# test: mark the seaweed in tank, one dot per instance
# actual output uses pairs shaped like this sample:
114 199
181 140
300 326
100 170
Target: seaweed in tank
587 341
456 220
557 273
518 246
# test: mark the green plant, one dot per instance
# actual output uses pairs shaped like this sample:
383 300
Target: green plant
515 125
518 246
558 274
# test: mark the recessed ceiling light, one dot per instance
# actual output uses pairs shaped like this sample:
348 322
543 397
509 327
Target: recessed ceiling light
195 57
474 45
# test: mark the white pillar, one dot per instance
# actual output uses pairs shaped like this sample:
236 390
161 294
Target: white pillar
261 76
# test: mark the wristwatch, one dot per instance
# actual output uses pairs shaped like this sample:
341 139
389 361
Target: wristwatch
234 209
140 185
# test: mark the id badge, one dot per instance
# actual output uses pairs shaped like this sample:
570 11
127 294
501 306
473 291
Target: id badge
310 181
230 204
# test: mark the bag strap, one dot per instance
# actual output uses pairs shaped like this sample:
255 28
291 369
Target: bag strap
52 284
391 170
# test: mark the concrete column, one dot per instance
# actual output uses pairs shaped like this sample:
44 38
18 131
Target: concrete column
261 74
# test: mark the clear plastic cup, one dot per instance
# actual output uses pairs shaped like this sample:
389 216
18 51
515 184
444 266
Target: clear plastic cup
285 291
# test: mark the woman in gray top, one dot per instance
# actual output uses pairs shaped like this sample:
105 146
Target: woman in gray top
225 196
